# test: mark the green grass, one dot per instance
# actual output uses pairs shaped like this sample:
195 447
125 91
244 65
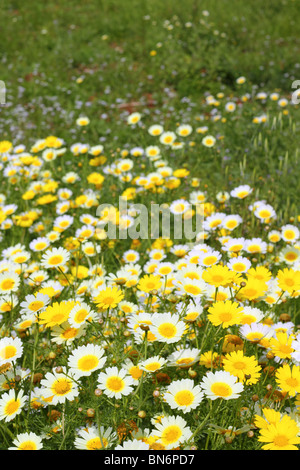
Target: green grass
47 46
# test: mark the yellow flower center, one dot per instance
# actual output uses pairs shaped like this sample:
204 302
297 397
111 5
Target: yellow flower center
95 443
88 362
281 441
56 259
236 248
184 398
108 300
239 365
289 234
215 223
225 317
221 389
289 282
171 434
242 194
221 296
285 348
80 316
165 270
57 318
254 336
20 259
61 387
89 250
64 224
179 207
11 407
135 372
116 384
70 333
194 290
27 445
292 382
7 284
40 246
264 214
185 361
86 233
153 366
191 316
254 249
291 256
249 292
239 267
8 352
209 260
217 278
231 224
35 305
151 285
167 330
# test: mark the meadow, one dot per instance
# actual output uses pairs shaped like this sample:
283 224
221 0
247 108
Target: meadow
138 341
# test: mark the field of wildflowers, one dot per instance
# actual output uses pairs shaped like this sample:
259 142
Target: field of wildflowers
114 334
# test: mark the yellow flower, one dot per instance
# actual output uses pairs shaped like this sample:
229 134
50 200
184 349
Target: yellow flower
98 161
56 314
260 273
150 283
211 360
2 216
71 244
253 290
181 173
50 187
26 219
288 379
283 435
232 343
245 368
270 416
80 272
5 146
289 280
217 275
161 243
109 298
95 178
28 195
53 142
225 313
173 183
47 199
129 193
281 346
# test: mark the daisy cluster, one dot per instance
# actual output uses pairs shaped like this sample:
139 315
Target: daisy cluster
144 343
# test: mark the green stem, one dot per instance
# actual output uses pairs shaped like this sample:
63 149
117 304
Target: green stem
36 337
